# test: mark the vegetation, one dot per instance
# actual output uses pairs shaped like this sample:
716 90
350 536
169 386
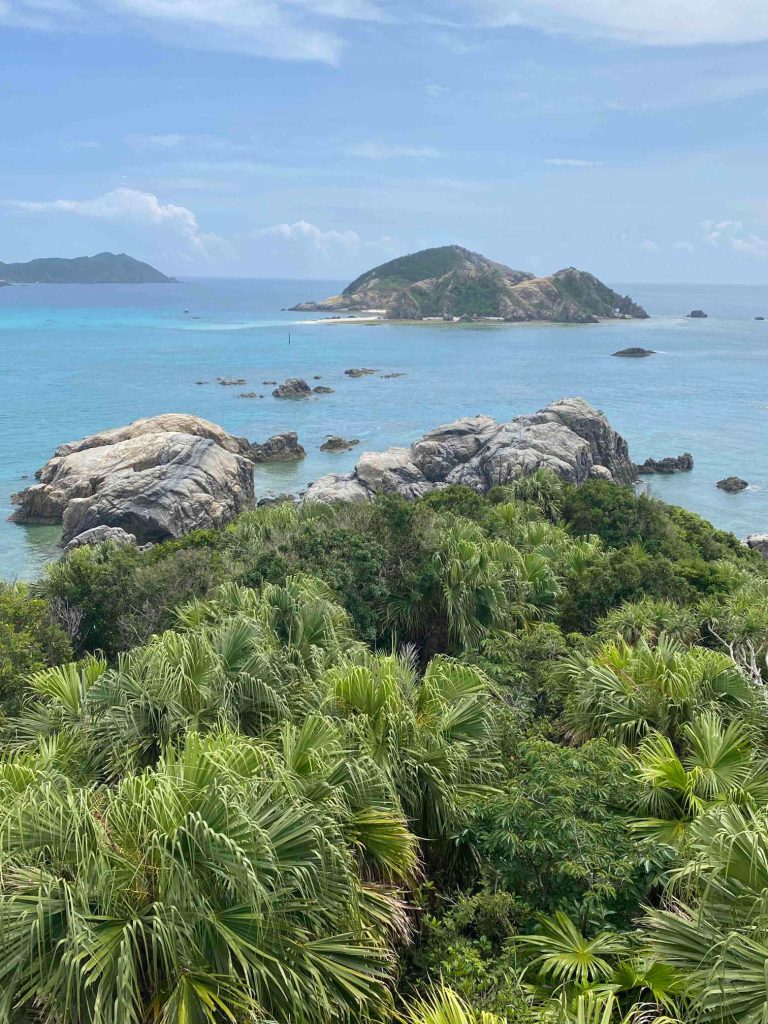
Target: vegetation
465 760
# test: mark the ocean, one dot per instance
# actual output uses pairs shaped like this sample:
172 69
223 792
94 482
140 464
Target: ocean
75 359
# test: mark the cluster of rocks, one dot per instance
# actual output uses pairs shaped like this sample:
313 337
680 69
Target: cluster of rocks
569 437
361 371
670 464
295 387
228 382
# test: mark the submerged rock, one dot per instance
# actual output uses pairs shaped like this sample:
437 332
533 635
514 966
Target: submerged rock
280 448
732 484
294 387
363 371
321 389
339 444
670 464
569 437
230 382
634 352
156 478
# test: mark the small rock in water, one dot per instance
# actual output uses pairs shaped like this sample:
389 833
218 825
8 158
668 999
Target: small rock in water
320 389
317 377
201 382
670 464
250 394
339 444
732 484
280 448
272 382
294 387
759 318
698 314
362 371
634 352
230 382
388 376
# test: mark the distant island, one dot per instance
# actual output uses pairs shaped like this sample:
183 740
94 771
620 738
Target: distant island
451 283
104 268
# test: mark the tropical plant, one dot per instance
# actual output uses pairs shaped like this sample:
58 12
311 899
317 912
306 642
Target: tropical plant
445 1006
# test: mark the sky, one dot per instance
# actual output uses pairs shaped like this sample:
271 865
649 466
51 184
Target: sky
317 138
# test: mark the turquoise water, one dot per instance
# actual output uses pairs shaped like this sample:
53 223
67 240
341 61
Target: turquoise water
76 359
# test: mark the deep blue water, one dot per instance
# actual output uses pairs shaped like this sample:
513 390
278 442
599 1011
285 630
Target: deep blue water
75 359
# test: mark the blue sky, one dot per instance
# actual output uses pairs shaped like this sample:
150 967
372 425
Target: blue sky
316 138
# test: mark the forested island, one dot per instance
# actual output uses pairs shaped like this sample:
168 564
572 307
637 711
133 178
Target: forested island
452 283
104 268
469 758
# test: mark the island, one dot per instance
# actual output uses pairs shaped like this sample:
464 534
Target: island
104 268
451 283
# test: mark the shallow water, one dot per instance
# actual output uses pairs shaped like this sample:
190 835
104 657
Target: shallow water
75 359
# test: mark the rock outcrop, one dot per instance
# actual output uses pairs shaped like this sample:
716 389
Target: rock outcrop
758 542
280 448
732 484
569 437
452 283
101 535
157 478
294 387
670 464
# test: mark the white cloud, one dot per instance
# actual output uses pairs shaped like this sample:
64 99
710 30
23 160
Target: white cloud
568 161
127 206
282 29
310 234
644 22
435 91
649 245
391 151
683 246
733 234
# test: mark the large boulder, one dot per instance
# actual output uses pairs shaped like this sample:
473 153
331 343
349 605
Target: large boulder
758 542
569 437
149 479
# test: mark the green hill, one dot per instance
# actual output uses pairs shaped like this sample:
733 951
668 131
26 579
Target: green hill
104 268
453 283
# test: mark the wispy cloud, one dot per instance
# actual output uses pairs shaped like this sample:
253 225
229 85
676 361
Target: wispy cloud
391 151
127 206
650 23
732 233
310 234
570 161
281 29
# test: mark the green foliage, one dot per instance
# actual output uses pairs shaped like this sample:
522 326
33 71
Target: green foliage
30 639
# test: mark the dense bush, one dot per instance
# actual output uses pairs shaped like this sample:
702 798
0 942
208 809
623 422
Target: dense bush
478 760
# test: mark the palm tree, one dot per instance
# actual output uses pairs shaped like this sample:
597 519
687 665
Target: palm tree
566 957
718 766
624 692
715 932
444 1006
207 888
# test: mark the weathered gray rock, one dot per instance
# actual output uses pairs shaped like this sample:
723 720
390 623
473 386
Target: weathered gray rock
276 499
758 542
100 535
321 389
634 352
732 484
339 444
150 479
294 387
280 448
569 437
670 464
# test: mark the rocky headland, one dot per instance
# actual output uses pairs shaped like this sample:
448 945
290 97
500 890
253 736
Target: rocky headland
669 464
569 437
451 283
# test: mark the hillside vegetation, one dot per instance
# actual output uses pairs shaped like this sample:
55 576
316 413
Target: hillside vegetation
450 282
465 760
